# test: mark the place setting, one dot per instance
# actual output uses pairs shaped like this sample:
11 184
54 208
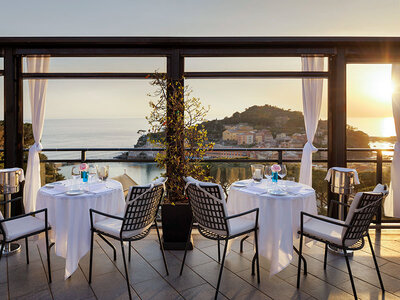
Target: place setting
269 180
86 179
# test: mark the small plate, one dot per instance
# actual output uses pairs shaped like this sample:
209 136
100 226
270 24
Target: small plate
75 192
239 184
277 192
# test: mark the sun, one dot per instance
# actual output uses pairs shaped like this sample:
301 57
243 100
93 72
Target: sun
380 86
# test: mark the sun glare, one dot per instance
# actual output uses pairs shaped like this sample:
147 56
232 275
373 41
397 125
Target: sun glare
381 88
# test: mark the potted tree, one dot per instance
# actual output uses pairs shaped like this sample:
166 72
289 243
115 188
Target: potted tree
175 125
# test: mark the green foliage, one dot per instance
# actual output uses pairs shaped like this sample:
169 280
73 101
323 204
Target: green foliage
175 124
51 172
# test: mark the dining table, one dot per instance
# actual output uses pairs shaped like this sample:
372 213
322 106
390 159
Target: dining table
279 206
68 208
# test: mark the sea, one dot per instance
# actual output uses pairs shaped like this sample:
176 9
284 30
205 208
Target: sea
123 133
98 133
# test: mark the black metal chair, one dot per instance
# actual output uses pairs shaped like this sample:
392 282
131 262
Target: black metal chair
344 235
209 211
22 227
140 213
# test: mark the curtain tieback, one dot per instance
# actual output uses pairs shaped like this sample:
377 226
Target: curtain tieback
36 147
309 146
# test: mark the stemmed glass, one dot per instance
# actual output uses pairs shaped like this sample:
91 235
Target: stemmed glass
92 173
282 173
102 173
76 174
268 174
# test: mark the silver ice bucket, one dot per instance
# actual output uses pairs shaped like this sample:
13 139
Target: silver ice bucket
9 180
342 182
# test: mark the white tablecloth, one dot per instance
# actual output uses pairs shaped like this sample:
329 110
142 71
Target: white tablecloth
70 220
279 217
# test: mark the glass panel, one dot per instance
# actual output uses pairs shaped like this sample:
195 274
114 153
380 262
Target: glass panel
105 64
202 64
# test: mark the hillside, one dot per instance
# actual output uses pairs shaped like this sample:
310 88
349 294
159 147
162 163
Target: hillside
278 120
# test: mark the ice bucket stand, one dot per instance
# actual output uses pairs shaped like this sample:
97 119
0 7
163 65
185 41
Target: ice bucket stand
342 183
9 184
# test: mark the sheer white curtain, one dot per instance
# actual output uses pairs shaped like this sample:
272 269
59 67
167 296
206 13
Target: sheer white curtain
312 99
37 94
392 202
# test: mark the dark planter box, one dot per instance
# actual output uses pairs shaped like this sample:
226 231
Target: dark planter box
176 220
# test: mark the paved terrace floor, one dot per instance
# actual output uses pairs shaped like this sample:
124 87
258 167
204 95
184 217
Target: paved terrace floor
149 281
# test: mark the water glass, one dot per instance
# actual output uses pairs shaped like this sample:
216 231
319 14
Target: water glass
258 172
92 173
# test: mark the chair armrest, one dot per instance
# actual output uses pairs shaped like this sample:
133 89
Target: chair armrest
256 210
337 203
340 203
25 215
102 214
303 213
243 213
12 200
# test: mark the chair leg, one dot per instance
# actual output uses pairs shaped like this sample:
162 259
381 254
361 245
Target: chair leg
126 270
219 252
376 263
303 259
91 257
299 265
253 265
162 249
48 254
350 274
186 248
241 243
221 269
109 244
325 255
257 255
27 251
2 248
129 255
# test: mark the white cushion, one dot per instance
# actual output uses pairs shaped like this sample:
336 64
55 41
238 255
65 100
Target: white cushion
240 224
324 230
113 227
159 180
17 228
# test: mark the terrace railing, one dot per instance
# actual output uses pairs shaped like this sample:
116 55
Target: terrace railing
379 159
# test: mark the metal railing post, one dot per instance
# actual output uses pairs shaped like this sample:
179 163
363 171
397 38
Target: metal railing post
83 156
379 179
280 157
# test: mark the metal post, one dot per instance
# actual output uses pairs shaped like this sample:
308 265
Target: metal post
13 116
379 179
337 155
175 124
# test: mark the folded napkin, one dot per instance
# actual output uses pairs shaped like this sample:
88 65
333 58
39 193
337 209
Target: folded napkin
347 170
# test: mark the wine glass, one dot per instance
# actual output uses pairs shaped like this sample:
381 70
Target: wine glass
92 173
102 172
282 173
268 173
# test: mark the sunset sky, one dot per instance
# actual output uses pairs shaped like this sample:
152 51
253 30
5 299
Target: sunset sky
368 85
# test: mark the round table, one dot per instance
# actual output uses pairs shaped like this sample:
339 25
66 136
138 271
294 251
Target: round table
69 216
279 216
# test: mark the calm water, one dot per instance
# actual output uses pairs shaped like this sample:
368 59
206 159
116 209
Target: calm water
118 133
98 133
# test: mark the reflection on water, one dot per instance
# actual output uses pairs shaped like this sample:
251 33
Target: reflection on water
142 173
